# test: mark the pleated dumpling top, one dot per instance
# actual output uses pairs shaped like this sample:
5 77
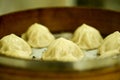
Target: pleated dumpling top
38 36
63 50
87 37
12 45
111 45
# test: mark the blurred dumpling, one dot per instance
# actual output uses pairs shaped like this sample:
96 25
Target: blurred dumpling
110 45
63 50
87 37
38 36
12 45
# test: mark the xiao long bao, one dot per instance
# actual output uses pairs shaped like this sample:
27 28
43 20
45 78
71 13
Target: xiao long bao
87 37
38 36
12 45
63 50
110 46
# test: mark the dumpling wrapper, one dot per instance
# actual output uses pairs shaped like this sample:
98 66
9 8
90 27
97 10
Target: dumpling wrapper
12 45
110 46
63 50
38 36
87 37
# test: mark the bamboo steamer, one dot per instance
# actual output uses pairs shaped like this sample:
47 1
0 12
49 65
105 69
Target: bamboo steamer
65 19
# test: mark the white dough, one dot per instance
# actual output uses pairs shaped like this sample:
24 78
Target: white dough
110 45
38 36
12 45
63 50
87 37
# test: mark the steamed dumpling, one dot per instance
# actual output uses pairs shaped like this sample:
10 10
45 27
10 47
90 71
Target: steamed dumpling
87 37
15 46
110 45
63 50
38 36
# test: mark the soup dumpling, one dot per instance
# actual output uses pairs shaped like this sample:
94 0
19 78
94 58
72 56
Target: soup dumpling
38 36
63 50
12 45
87 37
110 45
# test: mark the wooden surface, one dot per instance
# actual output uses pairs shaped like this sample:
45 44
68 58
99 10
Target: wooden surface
110 73
60 20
